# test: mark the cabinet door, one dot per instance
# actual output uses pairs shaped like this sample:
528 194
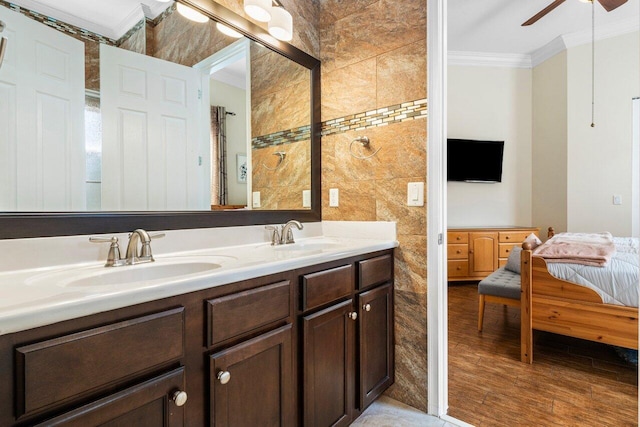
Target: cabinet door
376 343
251 383
147 404
483 253
329 372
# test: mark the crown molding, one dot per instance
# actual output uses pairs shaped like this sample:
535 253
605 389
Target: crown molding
487 59
538 56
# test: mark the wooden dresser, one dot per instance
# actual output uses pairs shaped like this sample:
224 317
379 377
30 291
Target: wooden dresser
474 253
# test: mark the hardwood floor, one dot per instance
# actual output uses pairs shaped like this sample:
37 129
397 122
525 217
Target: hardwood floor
571 382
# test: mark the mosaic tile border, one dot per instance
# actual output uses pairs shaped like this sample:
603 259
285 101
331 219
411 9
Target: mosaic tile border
398 113
74 31
282 137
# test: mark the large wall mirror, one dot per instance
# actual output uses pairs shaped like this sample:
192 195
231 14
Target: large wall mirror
156 121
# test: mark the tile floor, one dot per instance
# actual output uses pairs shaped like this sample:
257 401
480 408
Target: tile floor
387 412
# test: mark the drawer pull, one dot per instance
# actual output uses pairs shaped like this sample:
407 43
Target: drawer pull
458 251
506 237
458 238
353 315
224 377
179 398
458 268
366 307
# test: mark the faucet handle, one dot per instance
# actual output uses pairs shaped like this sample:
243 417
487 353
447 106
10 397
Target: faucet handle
275 236
113 257
156 235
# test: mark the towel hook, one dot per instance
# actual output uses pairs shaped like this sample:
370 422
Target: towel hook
282 155
365 142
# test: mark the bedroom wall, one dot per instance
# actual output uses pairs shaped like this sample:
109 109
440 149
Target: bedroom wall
549 172
492 103
600 158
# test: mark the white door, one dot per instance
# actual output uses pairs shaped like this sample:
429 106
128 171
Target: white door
155 121
42 160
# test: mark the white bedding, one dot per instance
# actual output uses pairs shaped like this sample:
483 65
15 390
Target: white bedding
616 283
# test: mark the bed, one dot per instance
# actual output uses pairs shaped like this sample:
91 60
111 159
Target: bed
562 307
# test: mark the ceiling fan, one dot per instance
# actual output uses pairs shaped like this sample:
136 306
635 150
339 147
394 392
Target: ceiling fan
609 5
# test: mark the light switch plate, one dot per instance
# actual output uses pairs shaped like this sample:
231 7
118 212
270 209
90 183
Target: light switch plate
255 196
617 199
306 198
415 194
334 196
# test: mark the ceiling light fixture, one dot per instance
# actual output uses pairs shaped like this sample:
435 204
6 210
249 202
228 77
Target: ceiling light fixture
280 21
191 14
228 31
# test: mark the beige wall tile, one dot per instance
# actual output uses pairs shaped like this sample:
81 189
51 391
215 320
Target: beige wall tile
357 201
411 263
402 74
391 205
349 90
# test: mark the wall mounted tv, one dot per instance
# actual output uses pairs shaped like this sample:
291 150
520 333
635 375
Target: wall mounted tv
474 161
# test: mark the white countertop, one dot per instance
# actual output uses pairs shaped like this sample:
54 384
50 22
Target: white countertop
41 295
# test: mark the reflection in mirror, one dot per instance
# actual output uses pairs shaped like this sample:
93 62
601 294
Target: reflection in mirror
121 121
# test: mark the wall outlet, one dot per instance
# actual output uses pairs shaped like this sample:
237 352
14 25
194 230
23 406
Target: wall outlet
306 198
617 199
255 197
415 194
334 197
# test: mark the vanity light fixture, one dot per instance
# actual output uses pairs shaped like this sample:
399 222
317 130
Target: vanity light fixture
228 31
280 22
191 14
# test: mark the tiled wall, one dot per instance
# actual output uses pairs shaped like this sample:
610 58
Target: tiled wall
373 56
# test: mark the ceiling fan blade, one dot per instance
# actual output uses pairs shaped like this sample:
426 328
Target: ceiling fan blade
610 5
546 10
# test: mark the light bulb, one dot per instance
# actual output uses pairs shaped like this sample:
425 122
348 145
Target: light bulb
260 10
281 24
191 14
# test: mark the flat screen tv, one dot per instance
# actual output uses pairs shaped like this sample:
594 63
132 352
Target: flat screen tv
474 161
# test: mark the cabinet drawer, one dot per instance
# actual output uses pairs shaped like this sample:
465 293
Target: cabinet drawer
458 268
457 251
512 236
326 286
457 237
502 262
234 315
55 371
374 271
504 249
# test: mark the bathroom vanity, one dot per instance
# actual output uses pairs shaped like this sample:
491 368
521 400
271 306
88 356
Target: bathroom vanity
303 337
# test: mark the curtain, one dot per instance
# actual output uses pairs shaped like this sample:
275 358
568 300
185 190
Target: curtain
219 186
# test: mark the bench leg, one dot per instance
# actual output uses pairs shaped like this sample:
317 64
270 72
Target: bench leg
480 311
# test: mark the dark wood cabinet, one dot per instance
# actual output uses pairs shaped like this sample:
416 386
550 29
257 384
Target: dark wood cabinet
348 348
311 346
329 371
376 343
251 383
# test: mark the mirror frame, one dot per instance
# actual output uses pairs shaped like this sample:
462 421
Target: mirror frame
14 225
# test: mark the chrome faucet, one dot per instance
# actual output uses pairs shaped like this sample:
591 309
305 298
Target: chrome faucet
284 234
144 255
132 255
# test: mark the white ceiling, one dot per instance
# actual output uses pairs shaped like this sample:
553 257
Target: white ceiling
494 26
110 18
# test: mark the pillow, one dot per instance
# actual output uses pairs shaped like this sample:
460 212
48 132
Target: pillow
534 240
513 262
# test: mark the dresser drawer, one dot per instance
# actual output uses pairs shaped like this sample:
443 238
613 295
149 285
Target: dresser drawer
243 312
54 372
512 236
458 268
457 251
504 249
375 271
457 237
326 286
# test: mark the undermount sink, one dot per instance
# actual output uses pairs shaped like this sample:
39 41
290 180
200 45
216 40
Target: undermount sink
101 277
142 273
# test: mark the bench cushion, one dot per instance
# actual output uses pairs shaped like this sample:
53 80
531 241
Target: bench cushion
501 283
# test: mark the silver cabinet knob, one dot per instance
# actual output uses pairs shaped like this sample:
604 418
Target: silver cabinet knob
224 377
366 307
179 398
353 315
